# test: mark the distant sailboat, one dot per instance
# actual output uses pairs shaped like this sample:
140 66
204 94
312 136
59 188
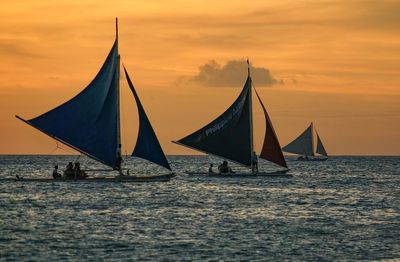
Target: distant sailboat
90 123
304 145
230 136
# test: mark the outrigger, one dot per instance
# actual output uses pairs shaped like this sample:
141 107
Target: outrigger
90 124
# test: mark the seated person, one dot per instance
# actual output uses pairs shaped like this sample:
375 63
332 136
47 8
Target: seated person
78 172
224 168
55 172
69 171
210 169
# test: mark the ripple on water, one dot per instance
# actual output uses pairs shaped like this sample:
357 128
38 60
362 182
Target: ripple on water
346 208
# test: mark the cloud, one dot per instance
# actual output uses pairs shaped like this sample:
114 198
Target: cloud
13 48
232 74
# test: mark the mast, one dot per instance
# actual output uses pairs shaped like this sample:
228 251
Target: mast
250 110
119 150
116 27
312 138
89 122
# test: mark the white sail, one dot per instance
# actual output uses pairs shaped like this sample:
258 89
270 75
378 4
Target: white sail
302 145
320 147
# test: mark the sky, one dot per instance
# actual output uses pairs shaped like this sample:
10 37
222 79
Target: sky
335 63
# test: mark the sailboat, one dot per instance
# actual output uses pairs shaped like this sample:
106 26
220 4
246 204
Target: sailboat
230 136
303 145
90 124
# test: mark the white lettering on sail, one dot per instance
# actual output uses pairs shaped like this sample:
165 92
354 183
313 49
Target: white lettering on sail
221 124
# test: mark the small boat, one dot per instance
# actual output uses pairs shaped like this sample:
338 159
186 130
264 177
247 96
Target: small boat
303 145
119 178
230 136
90 124
278 173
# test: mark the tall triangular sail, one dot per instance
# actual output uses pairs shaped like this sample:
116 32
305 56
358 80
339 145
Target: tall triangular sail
89 122
302 145
271 149
147 145
320 147
230 135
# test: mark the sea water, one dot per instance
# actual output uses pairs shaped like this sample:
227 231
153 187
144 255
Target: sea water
347 208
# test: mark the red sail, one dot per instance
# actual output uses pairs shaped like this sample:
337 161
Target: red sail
271 149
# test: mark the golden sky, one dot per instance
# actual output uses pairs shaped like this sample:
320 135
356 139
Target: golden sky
338 62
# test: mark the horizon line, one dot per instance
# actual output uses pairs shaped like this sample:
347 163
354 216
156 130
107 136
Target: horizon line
333 155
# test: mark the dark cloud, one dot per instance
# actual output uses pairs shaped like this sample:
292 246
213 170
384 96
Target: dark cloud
232 74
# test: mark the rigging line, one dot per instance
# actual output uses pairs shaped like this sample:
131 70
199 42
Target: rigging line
52 151
59 146
67 149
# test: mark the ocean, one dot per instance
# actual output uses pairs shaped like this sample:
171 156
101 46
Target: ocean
347 208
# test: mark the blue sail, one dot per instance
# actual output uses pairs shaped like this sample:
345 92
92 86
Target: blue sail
147 145
89 122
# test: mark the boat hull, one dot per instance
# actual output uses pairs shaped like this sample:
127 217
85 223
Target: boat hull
311 159
282 173
126 179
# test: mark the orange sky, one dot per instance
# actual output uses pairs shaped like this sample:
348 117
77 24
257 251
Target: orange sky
339 61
